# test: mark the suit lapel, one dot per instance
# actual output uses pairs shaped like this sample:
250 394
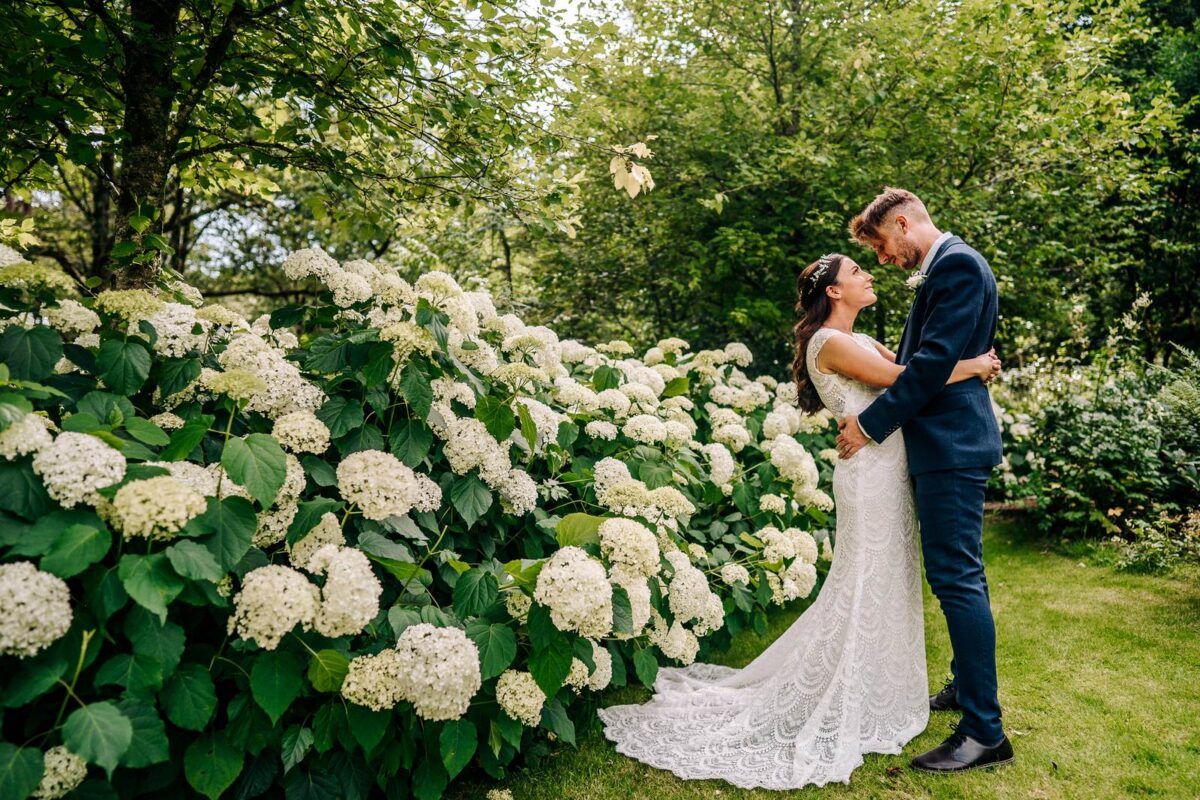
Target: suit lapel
910 331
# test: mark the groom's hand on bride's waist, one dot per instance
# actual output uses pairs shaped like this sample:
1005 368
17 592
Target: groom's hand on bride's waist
850 438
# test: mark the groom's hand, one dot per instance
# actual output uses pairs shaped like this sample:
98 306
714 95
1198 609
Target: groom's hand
850 437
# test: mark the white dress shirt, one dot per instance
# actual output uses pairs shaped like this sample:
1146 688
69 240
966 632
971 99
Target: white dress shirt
925 262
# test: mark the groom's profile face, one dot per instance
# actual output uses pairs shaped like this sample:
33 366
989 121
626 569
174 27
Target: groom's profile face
892 245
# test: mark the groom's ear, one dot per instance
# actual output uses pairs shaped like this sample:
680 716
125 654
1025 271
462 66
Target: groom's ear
901 222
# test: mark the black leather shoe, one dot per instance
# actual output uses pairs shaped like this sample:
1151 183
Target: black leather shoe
946 699
960 753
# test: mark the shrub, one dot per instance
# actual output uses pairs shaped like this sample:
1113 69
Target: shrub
357 545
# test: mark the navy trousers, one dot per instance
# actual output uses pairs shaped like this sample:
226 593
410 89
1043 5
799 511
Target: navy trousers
950 507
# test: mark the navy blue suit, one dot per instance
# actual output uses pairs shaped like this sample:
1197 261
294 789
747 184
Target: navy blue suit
952 441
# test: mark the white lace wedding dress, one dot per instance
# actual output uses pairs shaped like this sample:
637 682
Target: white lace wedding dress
848 676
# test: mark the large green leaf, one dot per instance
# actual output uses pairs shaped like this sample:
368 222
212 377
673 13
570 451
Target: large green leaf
497 646
194 560
30 353
163 643
341 415
654 474
124 364
554 717
475 591
111 409
457 742
258 463
675 387
149 743
185 439
135 672
606 377
276 680
551 664
646 666
99 734
368 727
470 497
622 611
150 581
416 388
21 490
528 427
227 527
76 549
20 771
410 441
578 529
294 746
308 515
212 764
327 669
189 697
146 432
173 375
13 407
497 417
33 678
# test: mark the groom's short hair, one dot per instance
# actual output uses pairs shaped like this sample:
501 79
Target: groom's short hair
865 225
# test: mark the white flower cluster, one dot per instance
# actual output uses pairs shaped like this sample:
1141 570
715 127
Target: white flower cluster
690 598
156 508
35 609
374 681
310 261
517 604
326 531
788 543
285 391
676 641
175 325
75 465
793 462
575 588
381 485
772 503
600 429
545 419
630 544
599 678
272 601
350 596
72 319
62 772
439 670
735 573
301 432
645 428
721 466
519 695
26 435
796 581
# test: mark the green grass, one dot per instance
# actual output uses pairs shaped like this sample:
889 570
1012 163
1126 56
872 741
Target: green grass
1099 682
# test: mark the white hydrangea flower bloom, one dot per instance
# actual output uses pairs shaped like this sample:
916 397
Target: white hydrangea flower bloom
616 401
688 591
35 609
600 429
676 641
734 436
380 484
545 419
202 480
518 493
772 503
575 588
735 573
672 345
272 601
175 324
630 544
156 508
62 772
75 465
301 432
350 596
519 695
517 603
327 531
439 670
27 435
793 462
168 421
374 681
645 428
273 524
309 261
348 288
71 318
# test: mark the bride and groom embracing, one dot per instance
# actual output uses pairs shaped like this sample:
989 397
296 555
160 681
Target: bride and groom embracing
848 676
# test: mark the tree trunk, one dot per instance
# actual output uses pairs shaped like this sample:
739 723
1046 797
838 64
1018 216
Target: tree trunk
101 209
150 90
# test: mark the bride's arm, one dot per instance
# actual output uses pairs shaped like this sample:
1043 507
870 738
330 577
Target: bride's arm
883 351
841 355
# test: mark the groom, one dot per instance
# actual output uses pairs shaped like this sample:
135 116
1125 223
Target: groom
953 442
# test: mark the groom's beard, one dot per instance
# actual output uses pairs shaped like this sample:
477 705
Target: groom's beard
910 256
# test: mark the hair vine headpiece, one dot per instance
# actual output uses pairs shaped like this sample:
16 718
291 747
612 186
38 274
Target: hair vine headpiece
823 265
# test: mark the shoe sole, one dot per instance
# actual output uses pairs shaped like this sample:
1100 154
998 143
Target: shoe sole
964 769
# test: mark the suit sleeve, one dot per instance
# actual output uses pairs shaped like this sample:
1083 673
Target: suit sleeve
955 303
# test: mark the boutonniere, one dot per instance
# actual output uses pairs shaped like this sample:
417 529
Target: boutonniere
915 280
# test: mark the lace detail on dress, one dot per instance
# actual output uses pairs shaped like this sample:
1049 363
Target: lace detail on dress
847 678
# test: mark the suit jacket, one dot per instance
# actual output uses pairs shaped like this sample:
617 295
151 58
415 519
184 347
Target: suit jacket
953 316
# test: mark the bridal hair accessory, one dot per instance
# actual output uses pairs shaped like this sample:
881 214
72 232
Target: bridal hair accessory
914 281
823 265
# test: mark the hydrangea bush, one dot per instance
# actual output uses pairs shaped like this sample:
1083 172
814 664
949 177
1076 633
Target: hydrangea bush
353 547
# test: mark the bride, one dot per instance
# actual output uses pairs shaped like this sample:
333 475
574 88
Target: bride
848 677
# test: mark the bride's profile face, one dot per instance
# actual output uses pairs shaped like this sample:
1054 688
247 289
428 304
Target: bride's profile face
854 287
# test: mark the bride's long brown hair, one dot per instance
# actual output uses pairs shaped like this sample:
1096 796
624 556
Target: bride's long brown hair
812 309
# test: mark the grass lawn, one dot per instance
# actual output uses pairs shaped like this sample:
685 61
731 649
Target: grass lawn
1099 682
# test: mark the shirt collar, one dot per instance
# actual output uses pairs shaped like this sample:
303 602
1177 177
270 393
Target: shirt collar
933 248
